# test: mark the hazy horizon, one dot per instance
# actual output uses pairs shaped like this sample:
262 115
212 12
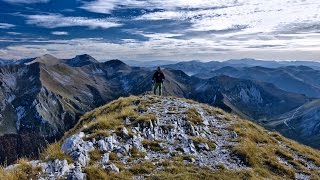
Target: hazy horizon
161 29
164 60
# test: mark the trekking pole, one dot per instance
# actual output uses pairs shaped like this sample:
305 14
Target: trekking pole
152 87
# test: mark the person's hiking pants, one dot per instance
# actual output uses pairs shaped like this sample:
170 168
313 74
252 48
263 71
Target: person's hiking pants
157 86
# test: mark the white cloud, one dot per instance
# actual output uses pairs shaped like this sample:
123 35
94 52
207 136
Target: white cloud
106 6
25 1
58 20
60 33
6 26
212 29
14 33
163 46
258 16
165 15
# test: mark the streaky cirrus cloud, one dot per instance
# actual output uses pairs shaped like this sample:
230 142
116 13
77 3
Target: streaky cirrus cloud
13 33
107 6
258 16
25 1
60 33
166 29
164 46
6 26
58 20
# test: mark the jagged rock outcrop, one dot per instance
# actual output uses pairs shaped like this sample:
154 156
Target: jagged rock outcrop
151 137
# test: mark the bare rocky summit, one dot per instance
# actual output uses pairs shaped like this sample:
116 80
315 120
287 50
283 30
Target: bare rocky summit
149 137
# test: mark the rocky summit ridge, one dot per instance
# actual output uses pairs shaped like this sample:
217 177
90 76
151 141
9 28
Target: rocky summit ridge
150 137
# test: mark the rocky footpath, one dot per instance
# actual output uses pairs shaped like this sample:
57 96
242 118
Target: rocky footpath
162 130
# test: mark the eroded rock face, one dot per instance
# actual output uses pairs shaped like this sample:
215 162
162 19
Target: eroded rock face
56 168
78 149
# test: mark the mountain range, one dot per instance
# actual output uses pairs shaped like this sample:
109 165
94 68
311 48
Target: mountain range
297 79
44 97
198 67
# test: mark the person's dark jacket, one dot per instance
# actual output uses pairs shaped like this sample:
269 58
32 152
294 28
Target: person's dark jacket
158 77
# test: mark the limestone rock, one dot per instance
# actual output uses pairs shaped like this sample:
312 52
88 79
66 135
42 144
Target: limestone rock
72 143
56 168
112 167
105 159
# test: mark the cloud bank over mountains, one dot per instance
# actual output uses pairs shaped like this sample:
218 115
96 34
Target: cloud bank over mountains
161 29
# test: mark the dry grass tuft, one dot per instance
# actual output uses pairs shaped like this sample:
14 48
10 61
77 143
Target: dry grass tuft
111 121
177 169
113 156
260 150
135 153
24 171
145 118
119 109
99 133
96 173
53 151
152 145
218 113
193 116
198 140
142 168
95 156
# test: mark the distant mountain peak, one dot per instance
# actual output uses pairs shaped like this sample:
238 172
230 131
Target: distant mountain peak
86 56
46 59
81 60
47 56
115 62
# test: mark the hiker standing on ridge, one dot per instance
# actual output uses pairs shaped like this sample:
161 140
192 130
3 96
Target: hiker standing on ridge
158 78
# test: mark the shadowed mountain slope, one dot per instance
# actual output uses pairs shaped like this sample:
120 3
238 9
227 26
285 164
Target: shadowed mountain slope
301 124
297 79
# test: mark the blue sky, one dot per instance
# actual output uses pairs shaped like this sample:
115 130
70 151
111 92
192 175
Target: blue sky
161 29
